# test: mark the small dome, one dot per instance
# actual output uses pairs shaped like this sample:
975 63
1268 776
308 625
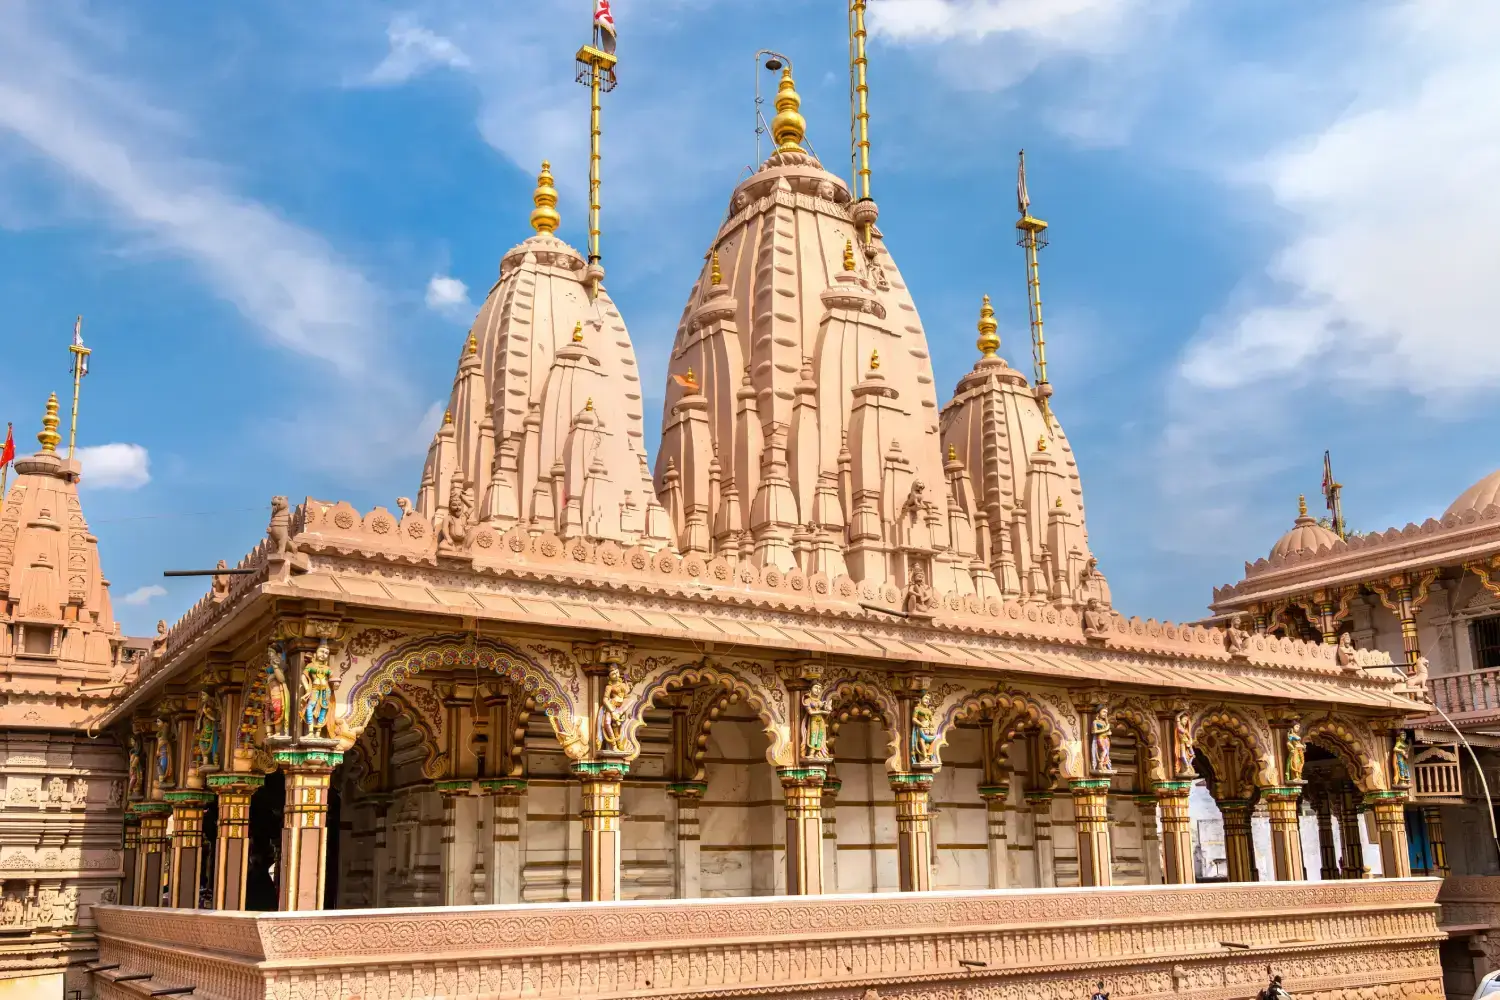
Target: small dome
1307 535
1477 497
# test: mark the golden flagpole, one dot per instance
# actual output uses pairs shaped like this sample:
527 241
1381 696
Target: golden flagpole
596 68
1031 238
859 92
80 369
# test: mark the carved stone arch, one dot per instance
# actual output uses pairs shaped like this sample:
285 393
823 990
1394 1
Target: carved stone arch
759 690
1025 710
428 725
1255 741
555 695
1340 737
1141 720
859 696
709 702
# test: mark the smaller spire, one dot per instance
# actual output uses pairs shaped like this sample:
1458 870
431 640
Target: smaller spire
545 218
874 361
578 332
715 276
1301 505
48 435
788 128
848 255
473 345
989 341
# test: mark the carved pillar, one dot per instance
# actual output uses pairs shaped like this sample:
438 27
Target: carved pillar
1404 596
380 861
302 868
131 860
1433 817
1041 837
1091 817
802 792
1237 850
600 815
1177 831
996 810
1390 826
187 845
687 795
831 787
1327 853
455 861
508 838
232 845
152 865
1151 844
913 830
1286 834
1352 864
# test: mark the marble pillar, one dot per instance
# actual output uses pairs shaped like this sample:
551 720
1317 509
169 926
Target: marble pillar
688 861
1091 818
507 838
996 809
802 792
831 788
1176 831
600 822
913 830
302 870
1238 856
1352 847
455 861
1286 833
380 863
1390 826
1041 838
1432 816
232 845
1151 847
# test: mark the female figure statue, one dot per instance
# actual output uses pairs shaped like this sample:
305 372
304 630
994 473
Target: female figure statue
923 731
317 692
1185 750
612 713
1400 763
1099 732
137 780
1296 754
815 724
164 775
278 695
206 735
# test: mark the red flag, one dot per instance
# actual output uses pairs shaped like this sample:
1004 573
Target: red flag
8 453
604 22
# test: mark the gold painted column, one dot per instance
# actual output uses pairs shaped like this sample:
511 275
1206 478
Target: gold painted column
600 815
232 845
1176 831
132 846
1286 833
913 830
1352 864
996 810
152 863
802 792
1091 816
1327 853
188 807
1042 845
1433 817
1390 826
1237 850
302 870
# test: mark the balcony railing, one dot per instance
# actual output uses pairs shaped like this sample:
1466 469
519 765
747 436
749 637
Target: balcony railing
1457 694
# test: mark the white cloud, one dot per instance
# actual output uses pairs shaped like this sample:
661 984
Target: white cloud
1083 25
414 50
447 295
115 466
141 596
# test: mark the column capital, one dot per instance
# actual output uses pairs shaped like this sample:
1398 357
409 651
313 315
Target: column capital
687 789
1386 797
1281 793
308 755
453 787
229 783
1172 789
187 797
600 770
798 777
992 792
911 779
1040 797
154 808
1089 786
504 786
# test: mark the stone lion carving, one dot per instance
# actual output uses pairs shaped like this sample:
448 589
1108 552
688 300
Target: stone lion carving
279 531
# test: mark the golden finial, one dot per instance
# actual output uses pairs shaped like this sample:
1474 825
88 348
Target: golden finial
1041 442
848 255
578 332
1059 503
49 436
589 406
989 340
874 361
1301 506
544 218
473 347
447 417
788 128
952 453
692 379
715 276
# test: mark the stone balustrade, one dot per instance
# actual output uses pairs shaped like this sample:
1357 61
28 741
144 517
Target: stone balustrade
1459 694
1376 938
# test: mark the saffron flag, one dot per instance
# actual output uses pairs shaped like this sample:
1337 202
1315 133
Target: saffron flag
83 359
8 453
604 22
1023 198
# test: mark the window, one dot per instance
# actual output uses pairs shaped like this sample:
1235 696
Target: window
1486 633
38 640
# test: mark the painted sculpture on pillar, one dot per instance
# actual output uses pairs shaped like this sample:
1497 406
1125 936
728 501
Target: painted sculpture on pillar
317 692
137 779
815 724
1296 754
1099 735
612 713
1186 752
278 695
923 731
206 733
164 774
1401 761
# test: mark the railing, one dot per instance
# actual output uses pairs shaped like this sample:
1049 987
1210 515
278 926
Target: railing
1437 773
1461 693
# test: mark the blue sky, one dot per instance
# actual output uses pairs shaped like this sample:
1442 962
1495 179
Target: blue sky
1274 231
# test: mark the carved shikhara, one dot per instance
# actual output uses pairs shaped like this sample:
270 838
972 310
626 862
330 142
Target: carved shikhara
1378 937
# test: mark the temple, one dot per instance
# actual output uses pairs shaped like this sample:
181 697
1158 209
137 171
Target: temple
571 724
